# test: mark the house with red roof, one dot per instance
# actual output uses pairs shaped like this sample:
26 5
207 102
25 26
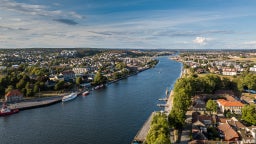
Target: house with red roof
228 133
233 106
13 96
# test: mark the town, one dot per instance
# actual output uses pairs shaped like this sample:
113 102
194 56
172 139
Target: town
35 74
214 100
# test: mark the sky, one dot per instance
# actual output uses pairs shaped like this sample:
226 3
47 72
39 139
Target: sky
147 24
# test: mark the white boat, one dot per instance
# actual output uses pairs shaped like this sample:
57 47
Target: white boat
69 97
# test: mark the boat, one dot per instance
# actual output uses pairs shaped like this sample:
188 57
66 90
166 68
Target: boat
69 97
102 85
85 93
7 111
97 87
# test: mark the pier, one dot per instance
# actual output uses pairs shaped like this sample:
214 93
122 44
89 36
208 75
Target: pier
142 133
35 103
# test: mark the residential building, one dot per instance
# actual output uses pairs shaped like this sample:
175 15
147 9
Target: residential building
229 71
13 96
253 69
68 75
80 70
228 133
233 106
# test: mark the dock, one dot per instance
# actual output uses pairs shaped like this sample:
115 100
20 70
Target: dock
35 103
169 103
163 99
162 105
142 133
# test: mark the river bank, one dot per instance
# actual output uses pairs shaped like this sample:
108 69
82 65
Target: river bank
113 81
142 133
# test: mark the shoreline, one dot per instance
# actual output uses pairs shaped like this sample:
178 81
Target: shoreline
139 71
145 128
48 101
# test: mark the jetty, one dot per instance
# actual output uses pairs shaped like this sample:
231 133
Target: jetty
142 133
35 103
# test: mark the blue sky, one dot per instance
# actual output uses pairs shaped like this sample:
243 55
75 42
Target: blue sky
149 24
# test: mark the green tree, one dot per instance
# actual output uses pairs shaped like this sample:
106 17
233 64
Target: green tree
211 106
78 81
29 92
59 85
249 114
120 66
211 83
21 84
159 132
99 79
9 88
246 81
36 88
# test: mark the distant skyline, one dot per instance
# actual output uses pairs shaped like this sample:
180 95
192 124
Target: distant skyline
147 24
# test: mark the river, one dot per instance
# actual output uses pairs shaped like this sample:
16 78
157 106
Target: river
112 115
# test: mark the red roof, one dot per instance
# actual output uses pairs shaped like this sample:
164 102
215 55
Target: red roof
13 93
229 133
226 103
229 70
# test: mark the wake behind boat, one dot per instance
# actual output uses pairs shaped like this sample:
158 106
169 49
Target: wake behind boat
69 97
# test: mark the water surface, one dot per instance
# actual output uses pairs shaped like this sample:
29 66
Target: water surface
107 116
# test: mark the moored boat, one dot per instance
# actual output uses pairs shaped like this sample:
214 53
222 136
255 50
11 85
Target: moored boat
7 111
86 93
97 87
69 97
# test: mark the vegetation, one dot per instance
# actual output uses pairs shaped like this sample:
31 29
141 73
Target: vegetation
99 79
249 114
159 132
183 90
246 81
211 106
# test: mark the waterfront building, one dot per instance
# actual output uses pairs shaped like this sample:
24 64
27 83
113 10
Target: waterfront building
13 96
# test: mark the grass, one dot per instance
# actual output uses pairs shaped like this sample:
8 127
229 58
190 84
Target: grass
243 59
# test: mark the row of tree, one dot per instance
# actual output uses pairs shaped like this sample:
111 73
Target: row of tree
159 132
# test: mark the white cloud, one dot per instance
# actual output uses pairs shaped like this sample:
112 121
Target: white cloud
38 10
200 40
250 43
